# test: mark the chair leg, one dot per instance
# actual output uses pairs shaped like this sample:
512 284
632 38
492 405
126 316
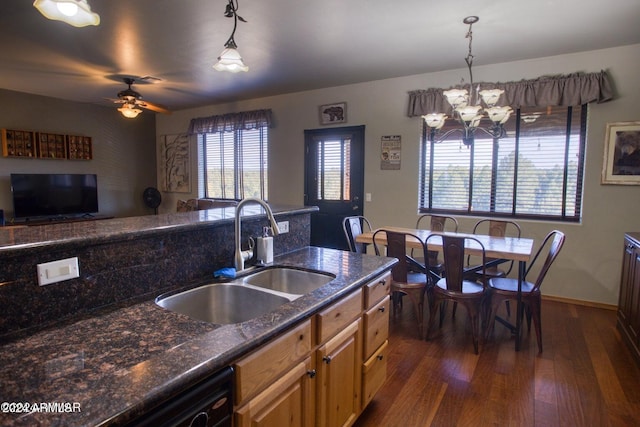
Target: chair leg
475 324
535 304
508 308
433 307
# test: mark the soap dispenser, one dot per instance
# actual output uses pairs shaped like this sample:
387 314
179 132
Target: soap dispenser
265 247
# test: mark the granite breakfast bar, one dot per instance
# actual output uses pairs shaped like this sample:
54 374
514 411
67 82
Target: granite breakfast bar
100 343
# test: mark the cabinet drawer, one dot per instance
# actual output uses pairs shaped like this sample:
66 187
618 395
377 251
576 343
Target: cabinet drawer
374 373
376 326
262 368
377 289
339 315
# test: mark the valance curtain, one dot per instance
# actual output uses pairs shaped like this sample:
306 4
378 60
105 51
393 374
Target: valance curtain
230 122
563 90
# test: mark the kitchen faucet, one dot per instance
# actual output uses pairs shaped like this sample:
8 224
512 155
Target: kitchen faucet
239 258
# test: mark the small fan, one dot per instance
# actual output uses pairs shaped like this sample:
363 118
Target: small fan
131 101
152 198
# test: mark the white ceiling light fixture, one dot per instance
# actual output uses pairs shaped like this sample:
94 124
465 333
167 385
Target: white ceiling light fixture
468 108
230 59
129 110
73 12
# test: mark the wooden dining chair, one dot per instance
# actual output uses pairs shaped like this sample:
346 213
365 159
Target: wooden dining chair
439 224
503 288
353 226
403 281
454 287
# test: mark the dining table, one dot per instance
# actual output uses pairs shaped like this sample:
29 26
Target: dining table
502 249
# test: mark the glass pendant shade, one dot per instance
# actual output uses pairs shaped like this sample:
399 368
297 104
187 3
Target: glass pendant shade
491 96
435 120
457 97
499 115
470 112
230 60
73 12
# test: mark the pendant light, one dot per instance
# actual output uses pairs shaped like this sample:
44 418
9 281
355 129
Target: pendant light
73 12
230 59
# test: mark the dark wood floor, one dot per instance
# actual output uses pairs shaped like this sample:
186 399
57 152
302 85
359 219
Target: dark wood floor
585 376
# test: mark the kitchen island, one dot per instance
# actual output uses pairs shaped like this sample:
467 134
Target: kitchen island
113 363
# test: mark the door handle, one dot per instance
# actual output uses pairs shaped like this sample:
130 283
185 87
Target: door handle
355 207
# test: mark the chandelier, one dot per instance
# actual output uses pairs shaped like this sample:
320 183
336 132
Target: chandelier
230 59
74 12
470 108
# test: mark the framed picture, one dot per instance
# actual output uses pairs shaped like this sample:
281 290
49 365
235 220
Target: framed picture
175 163
622 154
333 113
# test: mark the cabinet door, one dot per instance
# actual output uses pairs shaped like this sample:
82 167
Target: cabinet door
626 283
338 363
287 402
634 303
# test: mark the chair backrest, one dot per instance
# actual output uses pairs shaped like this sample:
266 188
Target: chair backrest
497 228
396 248
453 251
438 223
554 241
353 227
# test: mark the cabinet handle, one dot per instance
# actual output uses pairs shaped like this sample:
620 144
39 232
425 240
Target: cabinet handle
381 309
380 357
311 373
326 359
382 282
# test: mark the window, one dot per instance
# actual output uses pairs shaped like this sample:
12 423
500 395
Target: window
234 164
534 172
334 169
232 154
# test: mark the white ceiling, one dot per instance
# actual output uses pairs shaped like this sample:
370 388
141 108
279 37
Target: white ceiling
289 45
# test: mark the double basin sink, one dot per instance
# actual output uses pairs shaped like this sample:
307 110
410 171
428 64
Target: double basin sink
245 298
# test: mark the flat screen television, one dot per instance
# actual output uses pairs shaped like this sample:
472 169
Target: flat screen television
40 195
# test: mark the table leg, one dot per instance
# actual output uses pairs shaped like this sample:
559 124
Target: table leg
521 273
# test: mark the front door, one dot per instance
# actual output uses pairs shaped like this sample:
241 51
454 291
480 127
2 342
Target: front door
334 181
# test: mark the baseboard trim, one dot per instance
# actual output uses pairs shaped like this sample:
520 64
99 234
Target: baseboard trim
580 302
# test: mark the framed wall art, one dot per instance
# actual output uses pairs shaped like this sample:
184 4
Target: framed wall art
333 113
621 163
175 163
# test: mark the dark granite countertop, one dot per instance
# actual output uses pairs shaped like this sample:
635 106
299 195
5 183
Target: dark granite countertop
15 239
116 364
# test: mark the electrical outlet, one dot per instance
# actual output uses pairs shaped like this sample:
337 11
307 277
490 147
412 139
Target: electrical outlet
57 271
283 226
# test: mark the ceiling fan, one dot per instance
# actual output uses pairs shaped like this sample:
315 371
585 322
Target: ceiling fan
132 101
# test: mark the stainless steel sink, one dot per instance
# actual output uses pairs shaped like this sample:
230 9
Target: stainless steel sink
288 280
222 303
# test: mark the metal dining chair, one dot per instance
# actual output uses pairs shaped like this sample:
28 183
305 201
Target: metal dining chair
503 288
438 224
353 226
403 281
454 287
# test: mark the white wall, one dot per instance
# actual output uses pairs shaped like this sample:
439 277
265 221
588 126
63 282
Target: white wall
123 150
588 268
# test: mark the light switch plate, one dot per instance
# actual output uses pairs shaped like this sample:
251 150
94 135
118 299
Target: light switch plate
57 271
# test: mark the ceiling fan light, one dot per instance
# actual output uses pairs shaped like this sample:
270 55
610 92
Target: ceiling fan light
230 60
73 12
129 111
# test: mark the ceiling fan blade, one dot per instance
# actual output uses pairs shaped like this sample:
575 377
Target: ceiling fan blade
153 107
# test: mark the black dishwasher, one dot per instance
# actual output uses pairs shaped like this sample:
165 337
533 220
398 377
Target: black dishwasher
207 404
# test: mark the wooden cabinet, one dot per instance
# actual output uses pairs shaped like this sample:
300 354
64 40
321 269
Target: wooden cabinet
629 300
324 371
79 148
376 335
287 402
